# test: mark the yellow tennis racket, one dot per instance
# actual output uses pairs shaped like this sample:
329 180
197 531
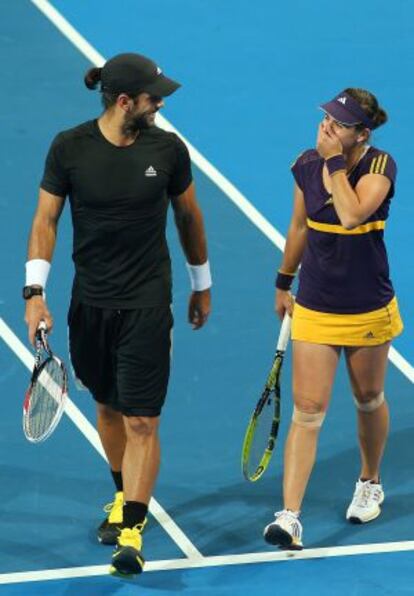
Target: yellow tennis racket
261 432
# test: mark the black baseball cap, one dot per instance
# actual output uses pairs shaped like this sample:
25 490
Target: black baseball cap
134 73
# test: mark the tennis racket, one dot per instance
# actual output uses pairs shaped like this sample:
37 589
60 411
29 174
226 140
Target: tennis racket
261 432
45 398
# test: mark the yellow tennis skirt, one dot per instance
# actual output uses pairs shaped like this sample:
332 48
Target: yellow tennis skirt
366 329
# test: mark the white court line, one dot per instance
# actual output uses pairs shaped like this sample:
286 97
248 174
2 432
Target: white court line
401 363
86 428
244 559
198 159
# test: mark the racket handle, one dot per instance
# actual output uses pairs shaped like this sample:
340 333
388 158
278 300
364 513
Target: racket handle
284 334
42 326
41 333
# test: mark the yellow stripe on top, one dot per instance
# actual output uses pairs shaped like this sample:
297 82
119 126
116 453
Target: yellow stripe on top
377 169
384 163
372 226
373 164
378 164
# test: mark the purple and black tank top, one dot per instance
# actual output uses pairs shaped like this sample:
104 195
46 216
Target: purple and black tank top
343 271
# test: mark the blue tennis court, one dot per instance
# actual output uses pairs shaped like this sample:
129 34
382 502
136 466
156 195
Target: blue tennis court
253 76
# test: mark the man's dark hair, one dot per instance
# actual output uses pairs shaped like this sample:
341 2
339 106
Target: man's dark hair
93 78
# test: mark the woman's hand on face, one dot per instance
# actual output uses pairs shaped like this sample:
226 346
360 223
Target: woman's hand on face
328 143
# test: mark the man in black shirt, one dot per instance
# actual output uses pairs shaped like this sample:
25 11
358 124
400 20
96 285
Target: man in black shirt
120 173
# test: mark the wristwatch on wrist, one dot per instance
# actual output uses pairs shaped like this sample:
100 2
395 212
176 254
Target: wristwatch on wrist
30 291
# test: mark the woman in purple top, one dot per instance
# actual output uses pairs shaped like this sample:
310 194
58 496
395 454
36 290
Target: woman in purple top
345 299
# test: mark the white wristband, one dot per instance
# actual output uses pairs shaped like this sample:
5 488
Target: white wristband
200 276
37 271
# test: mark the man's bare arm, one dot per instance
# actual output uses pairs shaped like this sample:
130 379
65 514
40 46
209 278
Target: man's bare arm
42 238
190 225
42 242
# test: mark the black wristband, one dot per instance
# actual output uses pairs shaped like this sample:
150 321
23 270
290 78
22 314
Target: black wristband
284 281
336 163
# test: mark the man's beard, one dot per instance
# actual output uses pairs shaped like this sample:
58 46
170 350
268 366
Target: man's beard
133 124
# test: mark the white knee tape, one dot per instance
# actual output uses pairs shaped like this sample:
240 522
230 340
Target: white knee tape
371 405
308 420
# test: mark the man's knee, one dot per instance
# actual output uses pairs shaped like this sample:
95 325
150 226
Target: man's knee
141 426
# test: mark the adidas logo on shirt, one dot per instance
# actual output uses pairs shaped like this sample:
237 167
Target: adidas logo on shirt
150 172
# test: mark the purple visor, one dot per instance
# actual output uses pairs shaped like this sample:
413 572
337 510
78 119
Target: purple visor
346 110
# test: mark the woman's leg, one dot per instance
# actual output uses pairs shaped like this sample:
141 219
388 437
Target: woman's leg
314 367
367 367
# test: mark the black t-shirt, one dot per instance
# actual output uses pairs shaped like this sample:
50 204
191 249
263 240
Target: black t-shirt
119 198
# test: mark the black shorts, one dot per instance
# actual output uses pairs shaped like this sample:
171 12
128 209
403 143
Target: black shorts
122 356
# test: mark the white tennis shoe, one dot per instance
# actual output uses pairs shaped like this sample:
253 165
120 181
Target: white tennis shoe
366 502
285 531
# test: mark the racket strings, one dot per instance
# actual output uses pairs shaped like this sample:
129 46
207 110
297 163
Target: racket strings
261 435
46 399
266 425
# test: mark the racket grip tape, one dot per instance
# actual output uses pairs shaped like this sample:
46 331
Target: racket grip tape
284 334
41 333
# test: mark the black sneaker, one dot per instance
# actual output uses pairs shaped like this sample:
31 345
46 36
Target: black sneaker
110 528
127 558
